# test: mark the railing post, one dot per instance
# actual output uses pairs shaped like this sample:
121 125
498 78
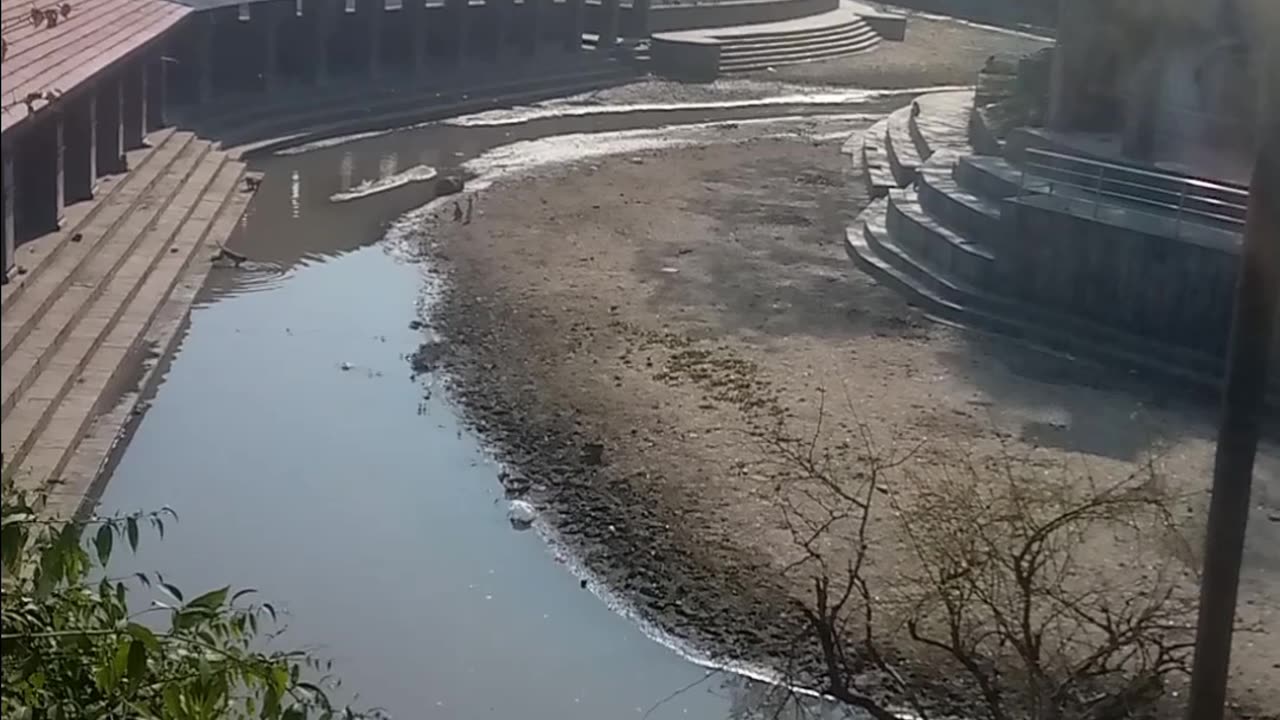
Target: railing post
1182 201
1097 193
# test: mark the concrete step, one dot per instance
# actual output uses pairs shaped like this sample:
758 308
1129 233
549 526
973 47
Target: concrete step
113 330
733 53
874 250
813 26
991 176
26 300
800 56
83 470
87 279
965 212
875 161
959 256
35 256
798 39
904 157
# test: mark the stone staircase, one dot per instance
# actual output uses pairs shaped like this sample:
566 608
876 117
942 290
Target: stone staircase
77 319
750 51
934 232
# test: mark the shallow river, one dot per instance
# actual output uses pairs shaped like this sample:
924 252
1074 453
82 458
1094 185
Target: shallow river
306 462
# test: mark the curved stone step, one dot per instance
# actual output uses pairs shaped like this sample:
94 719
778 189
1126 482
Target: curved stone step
873 250
798 40
965 212
792 58
875 161
904 160
940 247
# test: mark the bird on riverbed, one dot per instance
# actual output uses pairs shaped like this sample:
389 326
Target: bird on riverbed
224 254
470 206
457 212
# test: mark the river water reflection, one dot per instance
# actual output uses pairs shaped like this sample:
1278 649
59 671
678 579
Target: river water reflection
305 462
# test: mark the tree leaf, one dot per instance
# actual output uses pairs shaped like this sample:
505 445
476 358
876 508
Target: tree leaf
102 543
131 529
142 578
172 590
211 600
143 634
137 664
241 593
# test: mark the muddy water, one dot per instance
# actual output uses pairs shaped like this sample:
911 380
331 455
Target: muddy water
306 462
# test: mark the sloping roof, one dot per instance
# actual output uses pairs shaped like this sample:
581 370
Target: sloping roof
94 35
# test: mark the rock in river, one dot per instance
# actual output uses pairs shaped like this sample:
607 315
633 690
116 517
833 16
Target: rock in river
521 514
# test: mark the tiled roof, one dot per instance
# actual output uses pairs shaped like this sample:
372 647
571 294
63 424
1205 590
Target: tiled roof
95 34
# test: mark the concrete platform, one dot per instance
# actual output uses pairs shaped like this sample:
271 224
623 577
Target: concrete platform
704 54
78 322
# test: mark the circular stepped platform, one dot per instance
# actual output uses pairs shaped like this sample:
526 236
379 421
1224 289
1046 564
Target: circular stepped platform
704 54
939 225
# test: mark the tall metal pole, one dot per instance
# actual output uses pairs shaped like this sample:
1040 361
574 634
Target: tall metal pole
1242 406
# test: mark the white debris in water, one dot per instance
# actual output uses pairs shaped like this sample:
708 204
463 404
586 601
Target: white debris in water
332 142
573 107
521 514
527 155
417 173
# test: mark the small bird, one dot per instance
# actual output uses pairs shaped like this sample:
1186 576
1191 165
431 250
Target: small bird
77 237
457 212
915 109
251 184
225 254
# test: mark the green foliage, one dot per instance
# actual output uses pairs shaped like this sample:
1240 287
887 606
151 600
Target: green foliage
74 648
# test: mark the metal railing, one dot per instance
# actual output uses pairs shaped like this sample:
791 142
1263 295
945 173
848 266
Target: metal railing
1102 188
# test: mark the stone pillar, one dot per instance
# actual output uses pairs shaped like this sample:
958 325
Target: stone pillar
39 168
320 52
577 22
535 26
79 154
271 51
206 61
640 13
415 16
376 14
59 171
134 110
462 20
502 12
157 84
610 12
8 228
110 129
1068 83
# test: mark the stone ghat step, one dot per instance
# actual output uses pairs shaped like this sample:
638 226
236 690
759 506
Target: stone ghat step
87 275
357 116
875 161
84 224
942 197
855 28
41 435
872 248
810 25
806 55
233 113
748 52
904 158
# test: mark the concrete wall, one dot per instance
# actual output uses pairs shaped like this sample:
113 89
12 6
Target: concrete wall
1153 286
689 59
666 18
1040 14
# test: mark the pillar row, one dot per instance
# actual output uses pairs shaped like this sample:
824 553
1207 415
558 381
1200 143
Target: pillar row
611 11
110 128
80 161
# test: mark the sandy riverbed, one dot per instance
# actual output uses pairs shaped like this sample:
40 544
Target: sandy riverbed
595 313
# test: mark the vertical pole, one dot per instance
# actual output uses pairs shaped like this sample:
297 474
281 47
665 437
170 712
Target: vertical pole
9 228
206 60
577 21
608 38
1243 398
59 169
375 38
92 105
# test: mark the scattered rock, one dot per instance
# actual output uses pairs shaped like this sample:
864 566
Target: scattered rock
346 366
521 514
449 185
514 483
426 358
415 325
593 454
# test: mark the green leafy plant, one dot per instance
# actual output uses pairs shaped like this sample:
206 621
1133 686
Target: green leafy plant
75 647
